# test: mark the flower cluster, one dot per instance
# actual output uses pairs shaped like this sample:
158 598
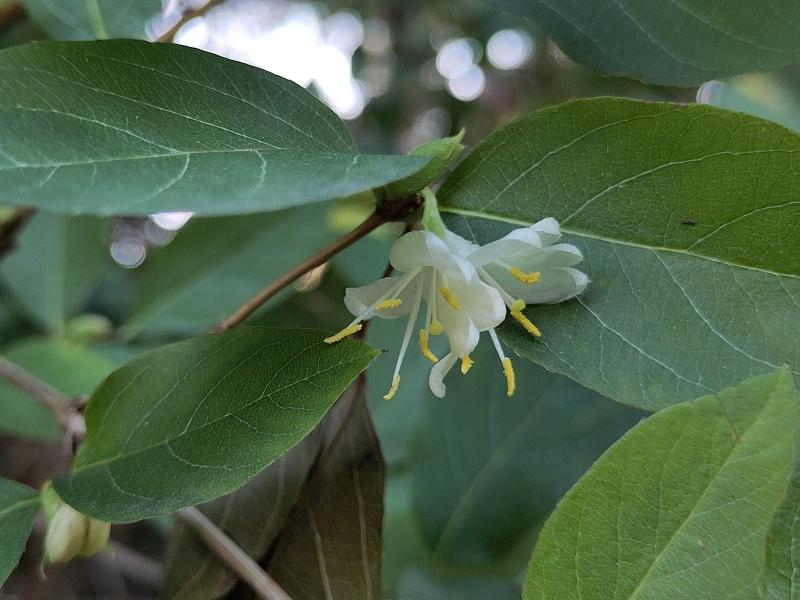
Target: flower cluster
468 289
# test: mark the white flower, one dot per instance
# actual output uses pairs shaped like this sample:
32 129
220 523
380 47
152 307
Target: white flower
526 267
467 288
459 304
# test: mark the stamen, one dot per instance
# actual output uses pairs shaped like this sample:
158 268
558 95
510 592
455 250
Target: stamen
392 390
466 364
526 323
423 346
511 381
389 303
518 305
436 328
347 331
524 277
449 298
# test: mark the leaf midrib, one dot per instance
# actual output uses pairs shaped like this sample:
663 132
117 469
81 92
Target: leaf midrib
4 512
477 214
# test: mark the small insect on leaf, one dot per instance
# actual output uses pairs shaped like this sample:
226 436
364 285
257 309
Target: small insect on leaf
690 222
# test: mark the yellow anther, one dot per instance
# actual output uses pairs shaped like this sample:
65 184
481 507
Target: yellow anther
524 277
466 364
518 305
423 346
526 323
390 303
449 298
436 328
349 330
392 390
511 381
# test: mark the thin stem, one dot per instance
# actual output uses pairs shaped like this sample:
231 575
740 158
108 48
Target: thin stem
372 222
186 17
56 401
232 555
11 227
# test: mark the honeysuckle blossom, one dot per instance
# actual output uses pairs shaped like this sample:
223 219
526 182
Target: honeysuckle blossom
467 288
458 303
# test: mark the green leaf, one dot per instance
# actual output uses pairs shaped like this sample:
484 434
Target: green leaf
191 421
623 177
18 507
445 152
73 369
91 19
680 507
331 547
55 267
132 127
252 516
676 43
782 569
224 261
487 468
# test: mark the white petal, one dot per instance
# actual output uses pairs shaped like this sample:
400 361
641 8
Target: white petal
358 300
420 249
438 373
548 230
551 257
461 332
520 241
459 245
555 285
479 301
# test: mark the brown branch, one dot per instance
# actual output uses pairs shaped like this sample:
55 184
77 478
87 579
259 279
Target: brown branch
232 555
372 222
11 227
186 17
47 395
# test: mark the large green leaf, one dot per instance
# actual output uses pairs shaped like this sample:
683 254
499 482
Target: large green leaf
131 127
687 219
18 507
782 569
71 368
685 42
224 261
56 266
680 507
487 468
90 19
191 421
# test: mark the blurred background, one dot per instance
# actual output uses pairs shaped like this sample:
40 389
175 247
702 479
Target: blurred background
470 478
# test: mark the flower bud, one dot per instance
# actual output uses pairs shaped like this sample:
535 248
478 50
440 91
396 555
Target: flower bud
71 533
444 153
96 537
66 534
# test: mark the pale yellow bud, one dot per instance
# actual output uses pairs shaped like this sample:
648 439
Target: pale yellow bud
66 534
96 537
